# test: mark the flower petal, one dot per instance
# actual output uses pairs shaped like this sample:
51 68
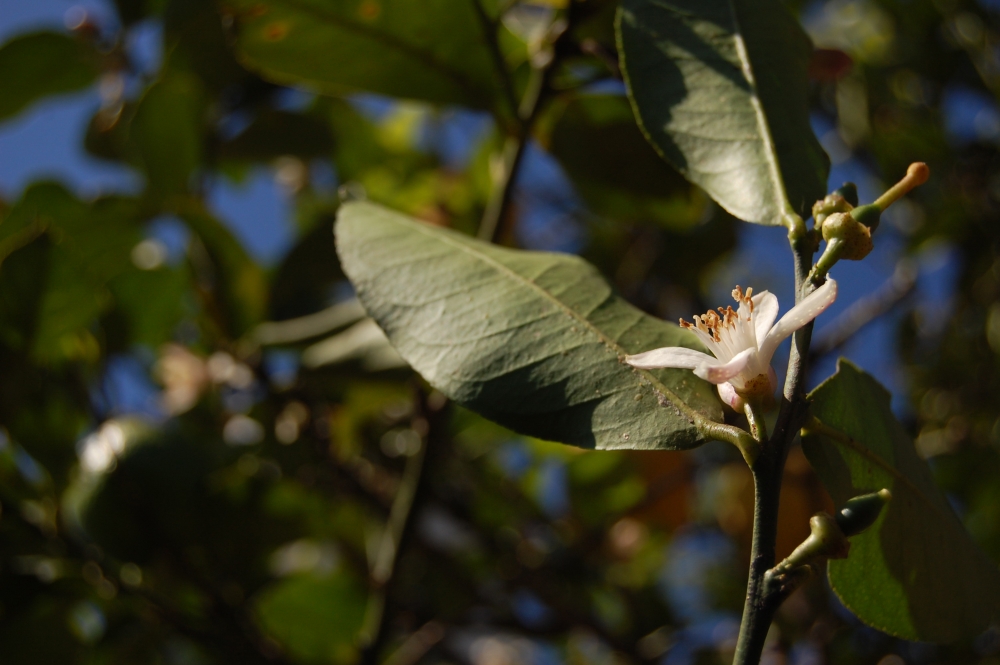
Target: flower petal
765 311
729 396
671 356
798 316
719 373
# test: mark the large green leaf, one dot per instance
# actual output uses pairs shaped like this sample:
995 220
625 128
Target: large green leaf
532 340
433 50
42 64
916 573
720 89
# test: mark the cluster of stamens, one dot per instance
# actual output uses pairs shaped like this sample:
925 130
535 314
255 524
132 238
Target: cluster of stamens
711 323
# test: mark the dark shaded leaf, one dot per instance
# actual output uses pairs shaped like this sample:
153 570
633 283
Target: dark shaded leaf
720 89
276 133
240 282
87 246
167 131
616 171
532 340
916 573
35 66
316 618
433 50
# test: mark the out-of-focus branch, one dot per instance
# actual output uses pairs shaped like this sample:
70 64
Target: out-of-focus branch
489 26
539 86
428 420
865 310
294 331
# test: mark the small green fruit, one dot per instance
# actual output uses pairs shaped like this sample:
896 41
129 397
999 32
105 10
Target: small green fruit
854 237
828 205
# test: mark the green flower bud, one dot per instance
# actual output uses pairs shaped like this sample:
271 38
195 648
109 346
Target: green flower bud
854 239
861 512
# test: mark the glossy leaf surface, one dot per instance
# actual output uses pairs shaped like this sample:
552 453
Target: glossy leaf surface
916 573
531 340
719 88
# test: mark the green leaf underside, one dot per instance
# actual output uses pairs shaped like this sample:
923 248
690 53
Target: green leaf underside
432 50
720 89
40 64
916 573
531 340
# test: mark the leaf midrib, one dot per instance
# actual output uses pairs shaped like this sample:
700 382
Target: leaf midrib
770 151
685 409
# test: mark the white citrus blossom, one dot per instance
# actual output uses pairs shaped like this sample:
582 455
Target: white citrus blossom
743 341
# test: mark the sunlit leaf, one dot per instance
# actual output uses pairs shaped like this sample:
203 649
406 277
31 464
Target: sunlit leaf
40 64
532 340
720 89
916 573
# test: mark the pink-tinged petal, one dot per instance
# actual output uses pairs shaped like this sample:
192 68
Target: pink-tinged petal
671 356
765 311
807 310
730 396
719 373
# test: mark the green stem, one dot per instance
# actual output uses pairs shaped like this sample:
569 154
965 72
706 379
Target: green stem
761 600
396 529
757 611
503 188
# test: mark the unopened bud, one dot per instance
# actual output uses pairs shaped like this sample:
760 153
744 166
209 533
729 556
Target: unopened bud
828 205
830 540
861 512
854 239
825 540
850 193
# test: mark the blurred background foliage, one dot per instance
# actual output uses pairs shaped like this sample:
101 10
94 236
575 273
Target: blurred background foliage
209 455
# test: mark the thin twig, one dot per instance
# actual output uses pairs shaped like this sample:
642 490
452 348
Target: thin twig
535 96
400 523
490 26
